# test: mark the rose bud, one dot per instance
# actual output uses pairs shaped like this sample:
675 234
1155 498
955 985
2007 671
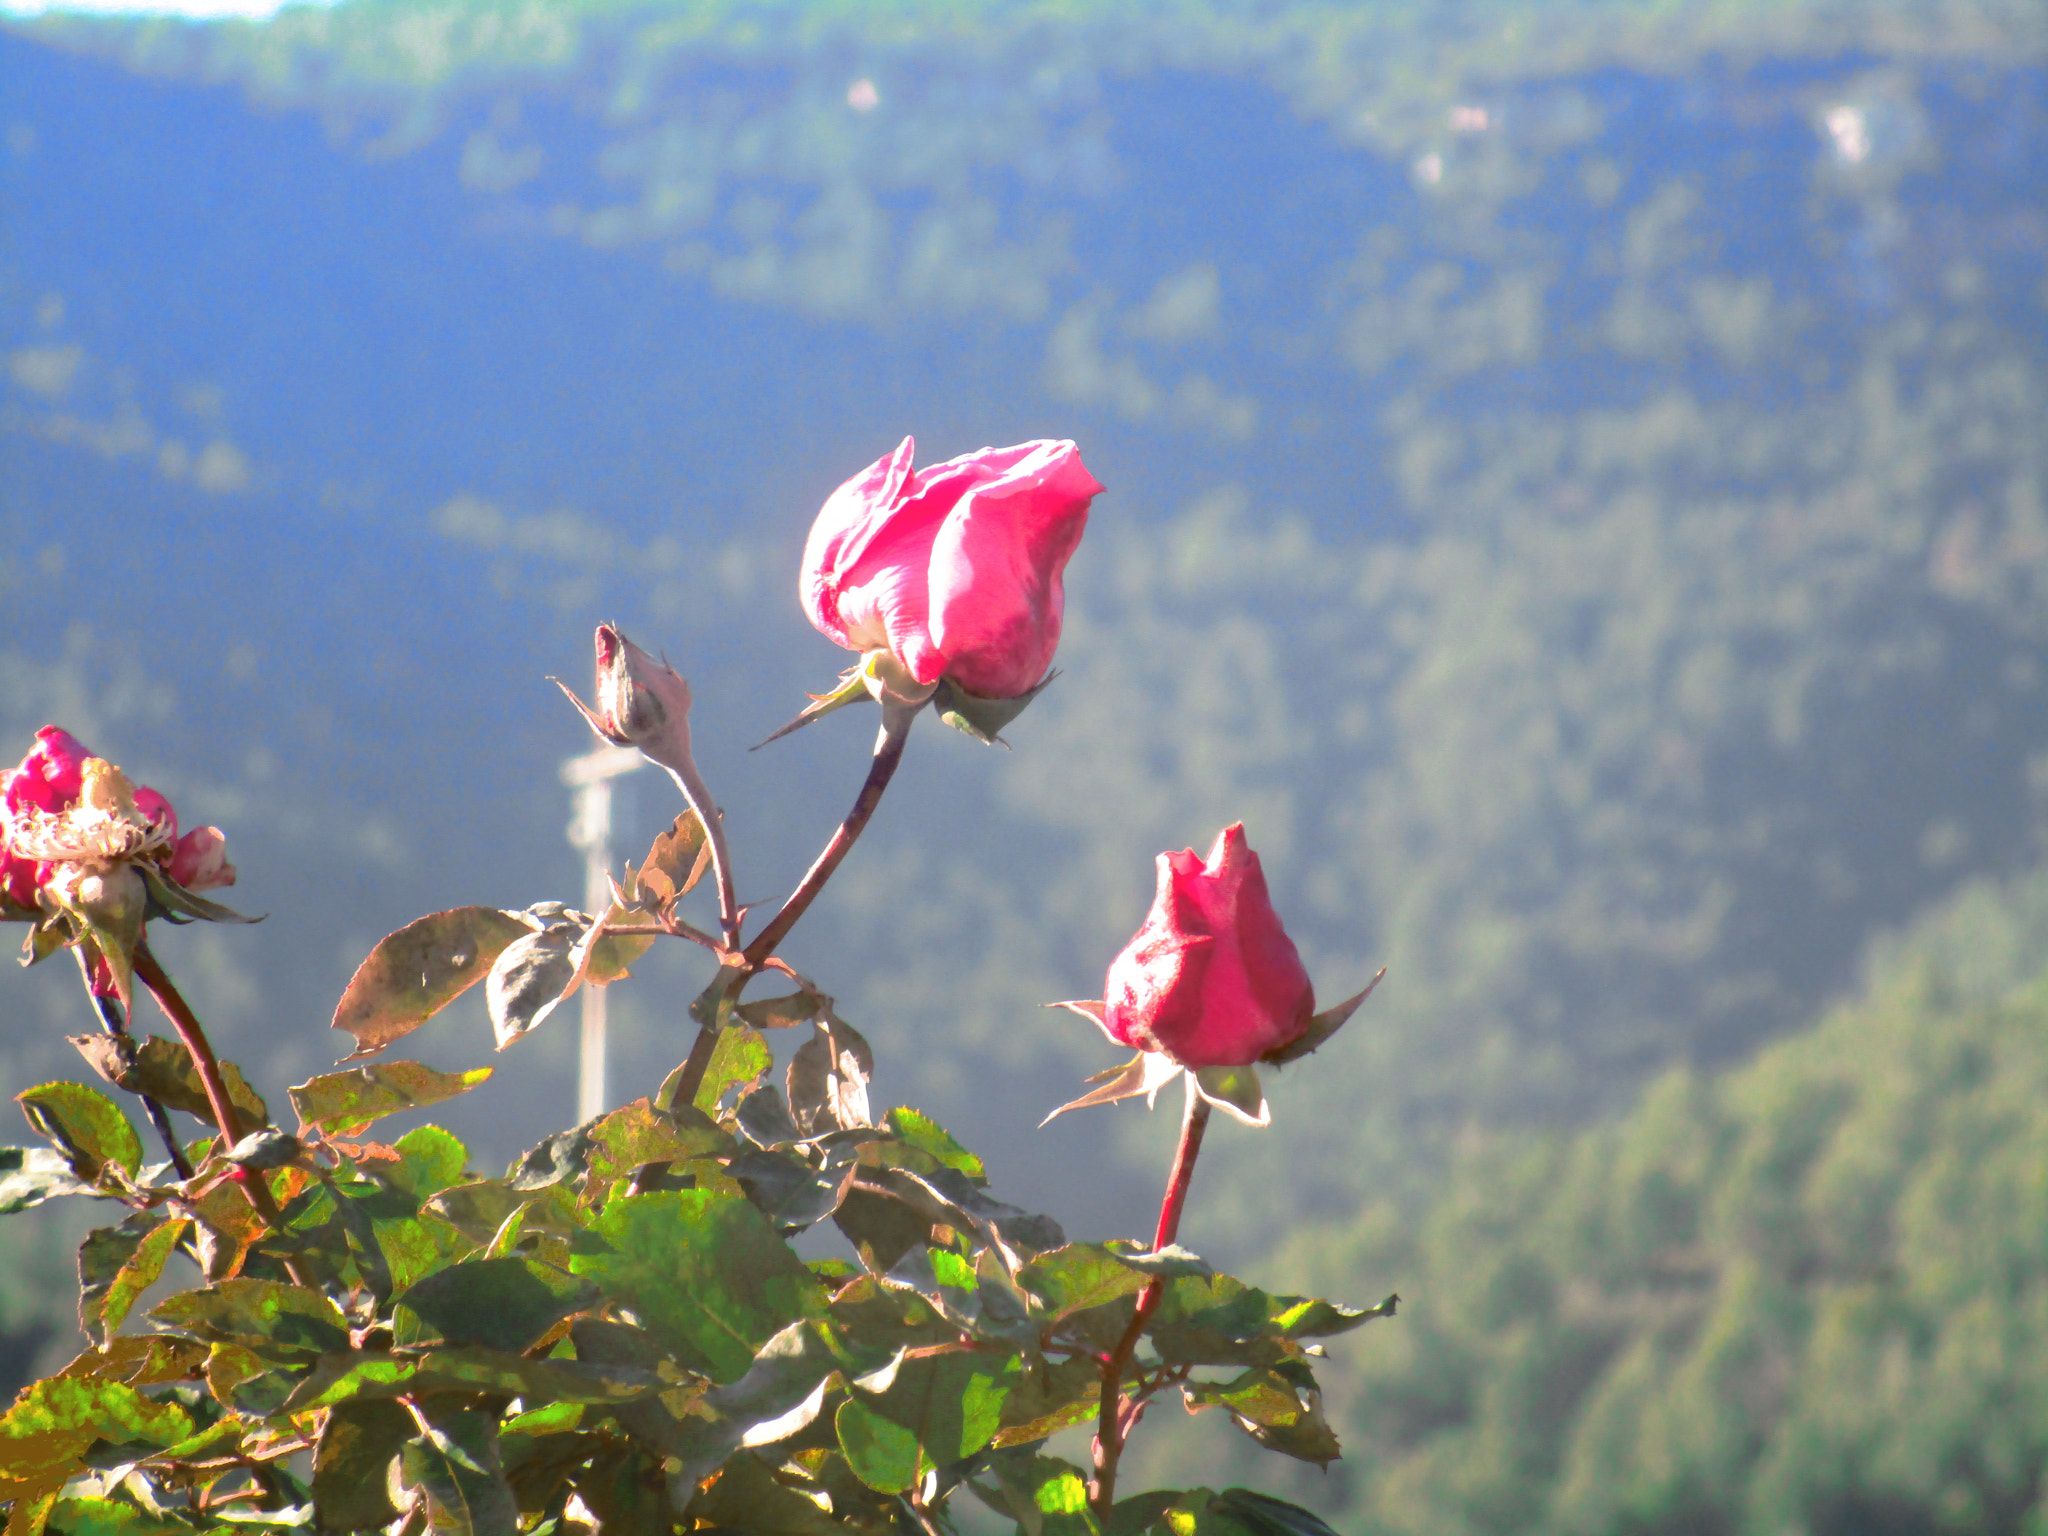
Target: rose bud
641 702
954 572
1211 978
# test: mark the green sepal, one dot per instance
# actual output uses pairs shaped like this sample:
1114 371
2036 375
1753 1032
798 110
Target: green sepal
172 902
982 718
852 688
1322 1026
1236 1091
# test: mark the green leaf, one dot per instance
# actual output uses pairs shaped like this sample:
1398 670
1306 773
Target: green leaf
477 1210
705 1271
86 1125
1269 1516
113 1517
927 1135
1280 1408
31 1175
54 1420
351 1462
504 1303
1050 1395
164 1070
346 1102
741 1056
639 1133
266 1316
1077 1277
1040 1493
1218 1320
747 1497
117 1264
429 1160
883 1454
456 1462
937 1410
416 972
466 1370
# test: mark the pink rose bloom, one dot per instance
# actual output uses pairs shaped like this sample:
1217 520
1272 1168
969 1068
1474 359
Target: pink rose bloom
1211 979
51 780
954 570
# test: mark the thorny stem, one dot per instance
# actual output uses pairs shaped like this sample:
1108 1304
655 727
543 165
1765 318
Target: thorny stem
109 1010
179 1012
896 722
1116 1419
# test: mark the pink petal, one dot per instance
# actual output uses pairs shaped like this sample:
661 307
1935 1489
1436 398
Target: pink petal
996 594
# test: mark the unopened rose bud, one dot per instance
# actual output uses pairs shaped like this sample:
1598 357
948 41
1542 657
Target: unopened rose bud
641 702
200 860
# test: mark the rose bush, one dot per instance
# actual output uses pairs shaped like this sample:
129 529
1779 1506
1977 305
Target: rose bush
1211 979
952 570
617 1335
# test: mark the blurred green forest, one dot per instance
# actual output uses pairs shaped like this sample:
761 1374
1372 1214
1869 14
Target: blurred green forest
1579 492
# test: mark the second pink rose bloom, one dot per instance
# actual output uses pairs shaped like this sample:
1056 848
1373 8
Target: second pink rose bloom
956 569
1211 979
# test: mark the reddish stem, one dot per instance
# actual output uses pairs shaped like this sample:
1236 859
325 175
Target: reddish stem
179 1012
1115 1419
888 753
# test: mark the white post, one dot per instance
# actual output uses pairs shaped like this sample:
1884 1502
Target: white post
590 830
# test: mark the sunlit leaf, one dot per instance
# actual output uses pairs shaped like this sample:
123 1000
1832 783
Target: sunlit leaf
164 1070
117 1264
31 1175
263 1315
349 1100
455 1462
87 1127
921 1131
357 1444
416 972
706 1272
501 1303
53 1420
529 979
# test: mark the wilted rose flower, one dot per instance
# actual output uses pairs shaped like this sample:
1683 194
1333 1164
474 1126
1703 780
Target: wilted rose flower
953 570
68 811
1211 978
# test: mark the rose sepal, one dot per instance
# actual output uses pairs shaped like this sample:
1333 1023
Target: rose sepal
1236 1091
852 688
979 717
1145 1073
106 911
173 903
1322 1026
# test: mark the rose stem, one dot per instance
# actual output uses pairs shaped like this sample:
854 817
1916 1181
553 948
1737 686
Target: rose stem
1112 1423
896 720
691 783
110 1017
180 1013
